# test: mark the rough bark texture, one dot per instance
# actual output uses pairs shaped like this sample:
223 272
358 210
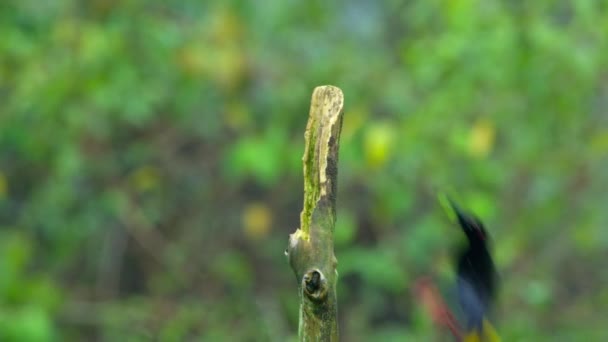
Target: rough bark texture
311 248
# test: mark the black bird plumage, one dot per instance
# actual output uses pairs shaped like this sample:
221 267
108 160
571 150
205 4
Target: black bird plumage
477 279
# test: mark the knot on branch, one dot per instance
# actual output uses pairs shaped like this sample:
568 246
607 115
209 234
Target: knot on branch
314 285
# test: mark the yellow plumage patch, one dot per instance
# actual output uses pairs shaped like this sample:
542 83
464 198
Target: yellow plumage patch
488 334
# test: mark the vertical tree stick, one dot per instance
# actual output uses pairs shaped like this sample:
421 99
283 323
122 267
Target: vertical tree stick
311 248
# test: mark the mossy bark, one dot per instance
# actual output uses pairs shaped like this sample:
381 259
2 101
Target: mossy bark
311 248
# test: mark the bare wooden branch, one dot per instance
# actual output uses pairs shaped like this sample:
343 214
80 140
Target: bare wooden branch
311 248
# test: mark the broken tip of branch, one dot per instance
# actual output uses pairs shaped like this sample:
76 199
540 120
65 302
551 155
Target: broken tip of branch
320 158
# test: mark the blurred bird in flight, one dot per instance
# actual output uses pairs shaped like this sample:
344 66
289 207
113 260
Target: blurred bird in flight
477 279
476 284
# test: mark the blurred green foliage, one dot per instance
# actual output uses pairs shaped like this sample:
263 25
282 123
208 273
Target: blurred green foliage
150 163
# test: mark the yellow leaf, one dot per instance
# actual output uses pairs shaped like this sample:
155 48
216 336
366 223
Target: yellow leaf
378 143
191 60
237 115
228 65
3 185
481 138
145 178
599 143
257 220
225 26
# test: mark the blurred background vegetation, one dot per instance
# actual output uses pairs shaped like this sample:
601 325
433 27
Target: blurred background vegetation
150 163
